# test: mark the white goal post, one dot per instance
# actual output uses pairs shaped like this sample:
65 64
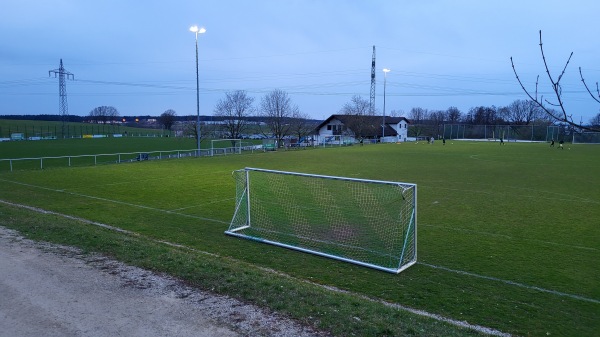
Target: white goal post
370 223
225 146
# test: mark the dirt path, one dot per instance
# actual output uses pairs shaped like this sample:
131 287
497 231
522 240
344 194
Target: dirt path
48 290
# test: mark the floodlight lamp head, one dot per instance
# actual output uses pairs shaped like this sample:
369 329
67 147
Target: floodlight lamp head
197 30
386 70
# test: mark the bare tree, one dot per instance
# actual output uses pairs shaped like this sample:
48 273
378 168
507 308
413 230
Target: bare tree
112 114
418 115
597 99
167 118
277 109
236 107
437 119
484 115
595 122
358 112
103 114
397 113
453 115
357 106
523 112
560 114
301 126
190 130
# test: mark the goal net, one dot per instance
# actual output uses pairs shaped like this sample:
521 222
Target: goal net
225 146
366 222
586 138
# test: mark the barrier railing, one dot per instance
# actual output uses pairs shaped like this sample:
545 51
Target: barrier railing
96 159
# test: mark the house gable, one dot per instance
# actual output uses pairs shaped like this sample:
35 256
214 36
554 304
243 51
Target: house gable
331 126
370 126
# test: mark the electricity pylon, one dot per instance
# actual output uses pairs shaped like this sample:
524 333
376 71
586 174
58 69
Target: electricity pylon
63 107
372 101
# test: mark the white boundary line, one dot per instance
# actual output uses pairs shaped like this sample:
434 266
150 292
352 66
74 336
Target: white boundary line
201 205
521 285
116 202
508 237
513 283
462 324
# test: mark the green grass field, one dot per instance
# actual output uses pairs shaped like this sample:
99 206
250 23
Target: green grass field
74 147
34 128
508 236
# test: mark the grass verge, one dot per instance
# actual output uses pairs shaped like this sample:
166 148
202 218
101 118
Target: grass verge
342 314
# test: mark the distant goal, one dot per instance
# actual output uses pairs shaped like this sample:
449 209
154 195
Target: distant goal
225 146
370 223
586 138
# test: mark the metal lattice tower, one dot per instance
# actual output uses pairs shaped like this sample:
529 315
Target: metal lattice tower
372 101
63 107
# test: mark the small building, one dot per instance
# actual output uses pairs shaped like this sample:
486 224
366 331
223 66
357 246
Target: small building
17 136
363 127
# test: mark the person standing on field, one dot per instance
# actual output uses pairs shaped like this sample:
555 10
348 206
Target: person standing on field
552 143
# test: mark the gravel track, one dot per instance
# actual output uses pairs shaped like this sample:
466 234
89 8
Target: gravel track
51 290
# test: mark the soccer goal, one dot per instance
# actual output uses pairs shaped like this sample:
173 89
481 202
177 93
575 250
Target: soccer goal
371 223
225 146
586 138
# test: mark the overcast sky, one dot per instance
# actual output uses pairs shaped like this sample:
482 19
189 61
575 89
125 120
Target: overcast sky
139 56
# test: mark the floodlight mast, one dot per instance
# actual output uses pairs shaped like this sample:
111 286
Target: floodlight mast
385 71
197 30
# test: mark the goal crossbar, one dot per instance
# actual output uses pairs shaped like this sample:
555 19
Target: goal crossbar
370 223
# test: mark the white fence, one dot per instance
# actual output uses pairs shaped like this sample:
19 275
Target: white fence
112 158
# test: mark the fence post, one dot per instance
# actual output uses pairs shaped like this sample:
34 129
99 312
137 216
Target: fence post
42 163
532 132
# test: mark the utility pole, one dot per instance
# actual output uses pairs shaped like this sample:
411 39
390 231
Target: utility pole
63 107
372 101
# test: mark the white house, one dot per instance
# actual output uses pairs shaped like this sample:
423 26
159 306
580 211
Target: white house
350 128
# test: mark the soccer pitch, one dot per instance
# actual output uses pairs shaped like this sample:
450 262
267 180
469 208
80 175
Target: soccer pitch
508 236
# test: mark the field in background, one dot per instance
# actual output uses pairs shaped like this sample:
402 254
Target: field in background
74 147
508 236
33 128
